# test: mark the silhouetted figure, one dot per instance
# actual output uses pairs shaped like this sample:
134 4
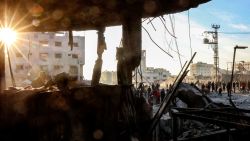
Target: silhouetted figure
157 96
208 86
162 94
220 91
149 91
203 87
153 87
237 85
228 88
213 86
223 86
243 87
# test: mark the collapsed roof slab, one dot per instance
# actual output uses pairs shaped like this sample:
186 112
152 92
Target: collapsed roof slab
77 15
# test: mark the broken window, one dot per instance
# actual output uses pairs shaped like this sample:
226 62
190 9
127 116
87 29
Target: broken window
44 56
19 55
75 44
58 55
44 68
36 36
73 70
58 44
51 36
28 67
74 56
44 43
57 67
19 67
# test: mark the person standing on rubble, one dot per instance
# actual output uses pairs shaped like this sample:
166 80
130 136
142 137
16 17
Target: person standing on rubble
213 86
203 87
234 85
162 94
148 92
228 88
220 91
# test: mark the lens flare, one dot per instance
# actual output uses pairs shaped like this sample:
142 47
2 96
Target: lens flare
7 36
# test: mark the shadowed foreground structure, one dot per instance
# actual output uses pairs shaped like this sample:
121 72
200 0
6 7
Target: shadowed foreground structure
86 113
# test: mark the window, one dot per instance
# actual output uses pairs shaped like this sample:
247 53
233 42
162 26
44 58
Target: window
73 70
44 56
44 43
148 77
58 55
164 75
51 36
57 67
75 44
58 44
75 56
28 67
18 54
19 67
44 68
35 36
154 77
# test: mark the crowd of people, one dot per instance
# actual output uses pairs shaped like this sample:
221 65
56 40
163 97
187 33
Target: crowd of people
227 87
153 93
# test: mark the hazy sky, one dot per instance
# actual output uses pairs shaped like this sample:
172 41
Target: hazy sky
231 15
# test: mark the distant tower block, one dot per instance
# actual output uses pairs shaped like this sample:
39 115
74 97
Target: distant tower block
143 60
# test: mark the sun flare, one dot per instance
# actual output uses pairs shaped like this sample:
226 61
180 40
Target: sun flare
8 36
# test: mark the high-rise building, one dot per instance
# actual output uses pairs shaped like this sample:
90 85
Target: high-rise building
49 52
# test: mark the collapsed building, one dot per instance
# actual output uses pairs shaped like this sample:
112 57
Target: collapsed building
61 111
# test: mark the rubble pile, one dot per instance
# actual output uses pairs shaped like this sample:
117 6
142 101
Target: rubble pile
196 116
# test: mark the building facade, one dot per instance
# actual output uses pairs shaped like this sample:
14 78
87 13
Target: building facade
202 69
109 77
48 52
147 75
154 75
150 74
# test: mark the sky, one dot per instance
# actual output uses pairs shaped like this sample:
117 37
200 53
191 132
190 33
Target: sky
231 15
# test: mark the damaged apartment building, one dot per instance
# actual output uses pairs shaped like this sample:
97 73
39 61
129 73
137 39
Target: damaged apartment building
144 74
48 52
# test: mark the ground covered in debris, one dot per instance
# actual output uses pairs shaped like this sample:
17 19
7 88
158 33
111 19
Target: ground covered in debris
193 128
241 100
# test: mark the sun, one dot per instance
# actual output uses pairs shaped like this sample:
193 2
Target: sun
8 36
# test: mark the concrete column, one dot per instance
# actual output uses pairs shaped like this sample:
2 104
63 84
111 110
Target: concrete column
130 54
2 67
